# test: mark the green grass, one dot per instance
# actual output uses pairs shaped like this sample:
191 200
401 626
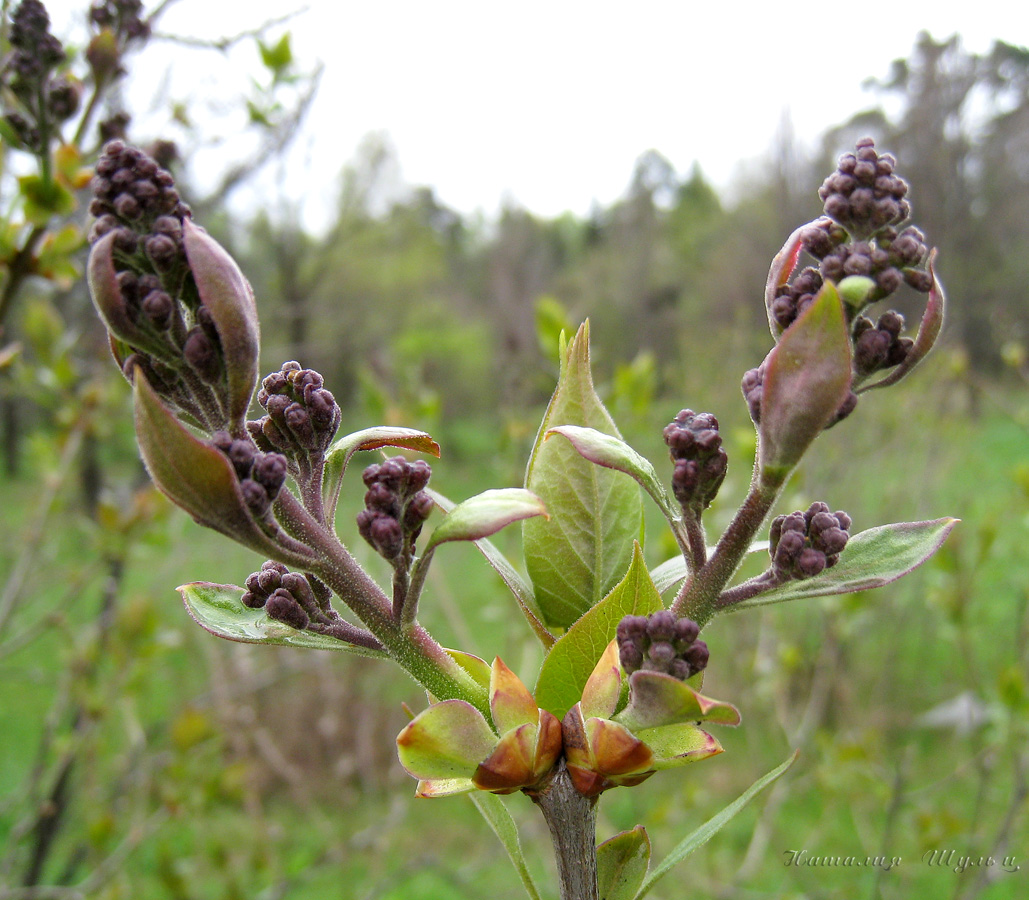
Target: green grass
168 707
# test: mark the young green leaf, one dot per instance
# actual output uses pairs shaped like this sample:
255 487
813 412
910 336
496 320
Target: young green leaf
612 453
573 658
517 585
485 514
217 609
622 864
579 554
710 828
871 559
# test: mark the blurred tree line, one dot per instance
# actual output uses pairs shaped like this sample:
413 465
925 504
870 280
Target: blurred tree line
406 298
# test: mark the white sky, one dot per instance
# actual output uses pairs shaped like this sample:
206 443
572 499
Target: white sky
548 104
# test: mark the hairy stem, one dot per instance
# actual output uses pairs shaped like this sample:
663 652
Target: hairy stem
698 598
572 820
411 647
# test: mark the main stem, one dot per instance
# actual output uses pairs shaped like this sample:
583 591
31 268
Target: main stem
572 820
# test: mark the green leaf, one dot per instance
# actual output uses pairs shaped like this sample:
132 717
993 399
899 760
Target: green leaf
45 198
710 828
517 585
573 658
580 553
485 514
622 864
217 609
807 378
496 814
447 740
338 456
612 453
871 559
656 699
277 56
678 744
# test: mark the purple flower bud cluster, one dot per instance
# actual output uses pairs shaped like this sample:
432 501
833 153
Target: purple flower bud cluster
121 17
261 475
289 597
43 99
862 234
302 415
700 460
661 643
134 195
803 544
396 506
879 345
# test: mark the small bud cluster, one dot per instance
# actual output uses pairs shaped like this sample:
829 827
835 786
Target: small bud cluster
120 16
700 461
879 345
43 97
261 475
289 597
661 643
863 194
753 384
118 24
803 544
396 506
302 415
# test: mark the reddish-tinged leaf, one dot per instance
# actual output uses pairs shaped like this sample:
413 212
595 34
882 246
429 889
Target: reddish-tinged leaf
807 378
783 264
928 332
338 456
511 704
227 295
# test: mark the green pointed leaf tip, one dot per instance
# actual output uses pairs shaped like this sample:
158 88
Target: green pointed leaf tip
807 378
579 554
485 514
611 453
622 863
217 608
573 658
871 559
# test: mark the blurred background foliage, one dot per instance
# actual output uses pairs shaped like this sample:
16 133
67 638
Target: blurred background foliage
141 758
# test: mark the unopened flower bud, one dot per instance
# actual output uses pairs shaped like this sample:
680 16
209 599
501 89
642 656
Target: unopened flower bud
803 544
661 643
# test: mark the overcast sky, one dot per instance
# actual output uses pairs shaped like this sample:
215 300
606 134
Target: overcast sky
548 104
